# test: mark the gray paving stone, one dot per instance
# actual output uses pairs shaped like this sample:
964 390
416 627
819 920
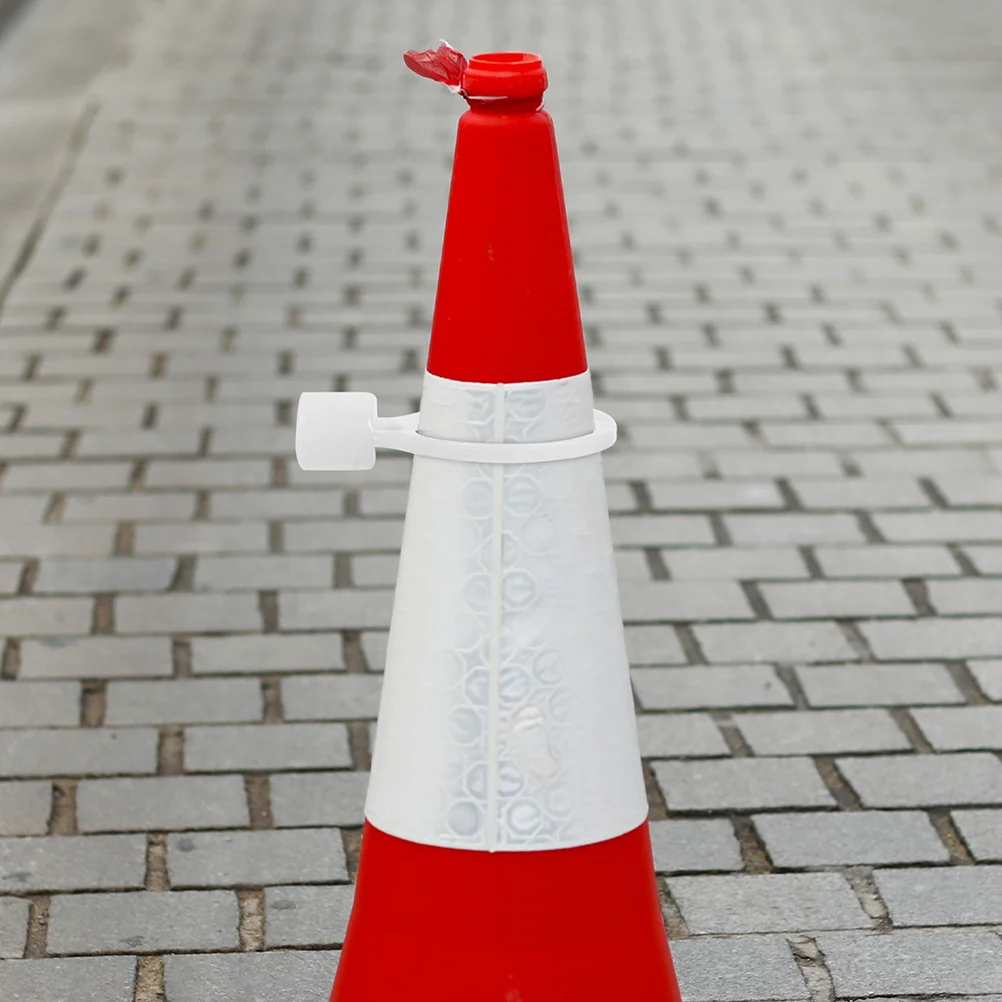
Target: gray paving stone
821 732
58 540
974 491
273 571
682 846
318 798
260 747
715 494
851 493
741 784
39 704
836 599
255 858
186 613
679 735
343 697
956 895
970 595
201 537
771 902
921 639
936 526
878 685
77 753
114 574
961 728
60 476
701 687
661 530
218 473
68 979
374 644
96 657
166 920
44 617
724 643
736 563
25 807
989 676
307 916
736 465
378 569
266 654
276 503
132 507
850 838
987 559
913 962
925 780
162 803
114 444
72 863
344 536
792 529
682 601
742 969
13 928
886 561
275 977
334 610
10 577
649 645
982 831
184 701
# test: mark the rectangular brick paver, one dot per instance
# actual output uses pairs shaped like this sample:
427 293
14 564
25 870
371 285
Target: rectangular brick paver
955 896
741 784
850 839
162 802
741 969
280 976
72 863
168 920
110 979
231 859
916 962
773 902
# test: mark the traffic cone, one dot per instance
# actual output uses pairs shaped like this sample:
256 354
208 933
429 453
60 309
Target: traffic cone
505 854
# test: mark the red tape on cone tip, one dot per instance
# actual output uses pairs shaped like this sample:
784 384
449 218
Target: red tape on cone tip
444 64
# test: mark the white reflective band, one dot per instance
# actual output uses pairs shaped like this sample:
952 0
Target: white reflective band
341 431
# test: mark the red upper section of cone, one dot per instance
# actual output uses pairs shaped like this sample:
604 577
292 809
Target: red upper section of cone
507 307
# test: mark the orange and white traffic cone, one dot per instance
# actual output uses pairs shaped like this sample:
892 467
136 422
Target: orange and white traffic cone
505 854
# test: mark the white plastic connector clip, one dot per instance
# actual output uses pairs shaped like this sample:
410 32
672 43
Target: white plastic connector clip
341 431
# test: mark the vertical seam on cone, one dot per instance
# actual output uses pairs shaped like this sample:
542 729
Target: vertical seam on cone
497 610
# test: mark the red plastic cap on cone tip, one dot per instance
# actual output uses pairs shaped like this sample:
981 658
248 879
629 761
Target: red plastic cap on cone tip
517 75
507 305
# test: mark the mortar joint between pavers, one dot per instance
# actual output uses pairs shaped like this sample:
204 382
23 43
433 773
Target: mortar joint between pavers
907 724
37 934
864 886
157 876
150 985
63 810
252 919
257 789
838 786
950 835
810 960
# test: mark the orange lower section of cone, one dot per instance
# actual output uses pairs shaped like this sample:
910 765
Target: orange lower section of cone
453 925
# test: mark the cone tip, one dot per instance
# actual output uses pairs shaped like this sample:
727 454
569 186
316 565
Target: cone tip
505 74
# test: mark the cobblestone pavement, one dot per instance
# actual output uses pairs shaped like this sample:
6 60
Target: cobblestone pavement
788 222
